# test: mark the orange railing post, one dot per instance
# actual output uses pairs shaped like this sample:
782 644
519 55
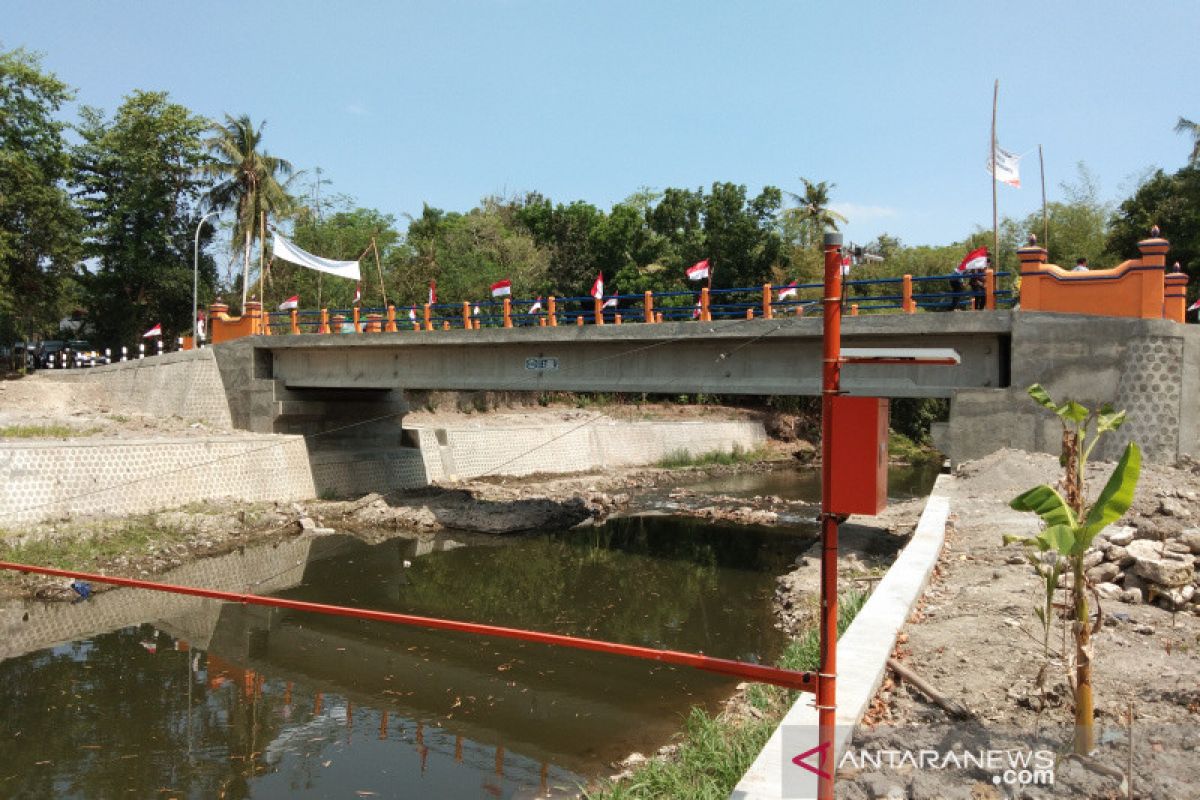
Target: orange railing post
467 315
579 321
356 320
705 316
428 318
648 306
749 313
295 320
391 319
374 323
598 310
907 304
989 289
551 312
507 312
766 302
324 321
854 309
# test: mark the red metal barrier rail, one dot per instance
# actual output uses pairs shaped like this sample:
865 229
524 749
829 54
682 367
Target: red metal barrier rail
804 681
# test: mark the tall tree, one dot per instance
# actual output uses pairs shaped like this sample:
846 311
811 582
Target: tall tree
1192 129
139 191
250 182
1169 201
39 228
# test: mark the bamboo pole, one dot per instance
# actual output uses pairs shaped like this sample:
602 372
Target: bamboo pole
1045 218
262 254
379 267
995 217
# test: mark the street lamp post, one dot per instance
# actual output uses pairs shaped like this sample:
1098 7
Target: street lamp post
196 277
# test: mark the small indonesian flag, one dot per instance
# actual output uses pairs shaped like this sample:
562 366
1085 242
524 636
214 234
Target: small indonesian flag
153 332
500 288
610 302
290 303
149 646
412 314
845 265
432 292
357 292
698 271
976 260
788 291
598 286
537 306
696 311
1194 305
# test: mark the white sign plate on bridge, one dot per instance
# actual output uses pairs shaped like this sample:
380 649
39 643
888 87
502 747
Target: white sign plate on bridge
542 364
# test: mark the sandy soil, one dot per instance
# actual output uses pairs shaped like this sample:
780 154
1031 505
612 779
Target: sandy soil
975 638
39 401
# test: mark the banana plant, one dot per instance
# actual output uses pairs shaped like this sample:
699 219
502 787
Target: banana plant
1070 527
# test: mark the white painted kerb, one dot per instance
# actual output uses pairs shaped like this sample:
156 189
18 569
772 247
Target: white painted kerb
863 651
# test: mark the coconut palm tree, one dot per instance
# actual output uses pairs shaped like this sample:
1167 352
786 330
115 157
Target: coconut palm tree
814 205
1191 129
249 181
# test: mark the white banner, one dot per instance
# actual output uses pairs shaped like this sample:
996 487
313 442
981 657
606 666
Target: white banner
282 248
1007 168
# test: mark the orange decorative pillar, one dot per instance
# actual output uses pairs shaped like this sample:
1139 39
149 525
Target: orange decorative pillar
854 309
428 317
704 313
579 321
337 322
467 315
768 312
253 312
1031 257
989 289
749 313
324 321
295 319
507 312
648 307
374 323
597 310
391 319
1154 254
1175 299
551 312
357 325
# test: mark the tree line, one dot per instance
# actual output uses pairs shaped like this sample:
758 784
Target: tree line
98 215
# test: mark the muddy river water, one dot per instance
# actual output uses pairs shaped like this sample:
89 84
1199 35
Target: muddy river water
139 694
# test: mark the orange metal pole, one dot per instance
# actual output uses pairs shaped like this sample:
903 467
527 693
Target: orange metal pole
508 312
830 387
906 298
357 327
428 318
989 289
467 315
551 312
754 672
295 322
767 314
705 316
324 321
598 310
391 319
648 307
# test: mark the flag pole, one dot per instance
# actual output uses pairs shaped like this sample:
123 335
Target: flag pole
379 267
262 250
995 218
1045 219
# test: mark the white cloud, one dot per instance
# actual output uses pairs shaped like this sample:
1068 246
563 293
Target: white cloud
863 213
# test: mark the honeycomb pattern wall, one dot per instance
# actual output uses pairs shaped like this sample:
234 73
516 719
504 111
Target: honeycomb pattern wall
1149 390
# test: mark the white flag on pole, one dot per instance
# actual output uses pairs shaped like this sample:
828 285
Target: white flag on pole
1008 167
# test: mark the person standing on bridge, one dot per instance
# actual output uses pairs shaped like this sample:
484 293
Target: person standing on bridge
1081 265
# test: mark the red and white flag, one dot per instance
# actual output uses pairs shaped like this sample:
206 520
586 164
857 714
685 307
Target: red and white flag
696 311
476 311
357 293
598 286
500 288
432 292
1194 305
200 320
290 303
788 291
537 306
845 265
1008 167
412 314
976 260
698 271
610 302
153 332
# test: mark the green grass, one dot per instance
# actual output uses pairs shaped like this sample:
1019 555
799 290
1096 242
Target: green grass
133 537
43 431
715 751
679 459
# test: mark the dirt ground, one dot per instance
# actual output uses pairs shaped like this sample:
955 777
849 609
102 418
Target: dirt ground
975 639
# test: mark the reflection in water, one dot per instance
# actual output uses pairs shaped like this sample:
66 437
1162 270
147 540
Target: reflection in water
270 703
904 482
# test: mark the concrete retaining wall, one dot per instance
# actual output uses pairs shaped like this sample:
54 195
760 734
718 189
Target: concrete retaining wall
185 384
42 480
463 453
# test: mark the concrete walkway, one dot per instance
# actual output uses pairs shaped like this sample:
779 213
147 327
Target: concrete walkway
863 651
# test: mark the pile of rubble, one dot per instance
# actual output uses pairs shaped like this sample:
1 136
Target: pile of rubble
1137 565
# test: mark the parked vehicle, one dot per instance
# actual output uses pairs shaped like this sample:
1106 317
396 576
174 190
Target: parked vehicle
46 355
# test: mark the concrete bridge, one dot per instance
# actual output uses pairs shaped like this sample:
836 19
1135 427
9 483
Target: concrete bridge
1151 367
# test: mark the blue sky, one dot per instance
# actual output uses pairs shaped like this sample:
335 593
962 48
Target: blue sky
403 103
